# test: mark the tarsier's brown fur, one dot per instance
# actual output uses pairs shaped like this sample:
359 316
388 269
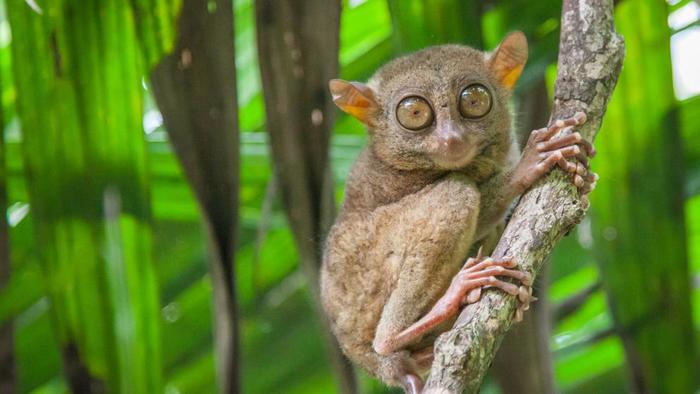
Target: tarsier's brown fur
410 216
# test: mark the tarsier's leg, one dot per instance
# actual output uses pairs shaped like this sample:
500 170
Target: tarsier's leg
544 151
421 246
477 273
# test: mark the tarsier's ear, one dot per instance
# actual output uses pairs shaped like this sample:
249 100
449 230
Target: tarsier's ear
355 99
508 60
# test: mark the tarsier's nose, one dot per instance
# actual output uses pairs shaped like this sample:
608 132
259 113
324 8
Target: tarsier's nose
451 142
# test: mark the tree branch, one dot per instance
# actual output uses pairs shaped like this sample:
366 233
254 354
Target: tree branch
590 58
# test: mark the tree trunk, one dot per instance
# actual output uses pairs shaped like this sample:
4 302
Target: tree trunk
590 58
195 88
298 54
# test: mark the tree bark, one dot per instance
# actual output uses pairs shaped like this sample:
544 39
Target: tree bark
298 46
590 58
523 364
195 88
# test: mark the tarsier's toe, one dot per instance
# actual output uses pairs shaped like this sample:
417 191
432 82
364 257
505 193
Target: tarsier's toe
518 316
525 297
491 271
472 297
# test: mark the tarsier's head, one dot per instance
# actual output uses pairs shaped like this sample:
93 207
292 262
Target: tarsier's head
439 108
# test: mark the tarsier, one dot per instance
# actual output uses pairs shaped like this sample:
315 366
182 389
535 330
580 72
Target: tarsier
439 173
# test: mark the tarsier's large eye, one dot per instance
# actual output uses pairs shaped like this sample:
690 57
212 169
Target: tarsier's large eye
414 113
475 101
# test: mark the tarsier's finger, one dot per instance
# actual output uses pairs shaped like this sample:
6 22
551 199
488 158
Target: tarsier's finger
545 134
593 178
579 176
587 146
523 277
549 161
560 142
569 139
578 119
566 165
489 262
584 179
568 152
590 182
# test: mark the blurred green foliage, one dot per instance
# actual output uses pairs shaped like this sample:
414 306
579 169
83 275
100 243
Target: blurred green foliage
160 220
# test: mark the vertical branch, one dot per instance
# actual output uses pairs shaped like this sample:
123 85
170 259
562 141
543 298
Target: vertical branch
298 54
590 58
524 361
195 88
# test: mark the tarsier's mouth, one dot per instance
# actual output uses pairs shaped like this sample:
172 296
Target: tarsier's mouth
457 159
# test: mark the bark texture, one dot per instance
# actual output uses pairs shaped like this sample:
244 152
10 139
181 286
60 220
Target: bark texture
195 88
523 363
590 58
298 46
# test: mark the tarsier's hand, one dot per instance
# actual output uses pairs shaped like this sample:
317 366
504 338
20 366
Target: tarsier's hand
543 152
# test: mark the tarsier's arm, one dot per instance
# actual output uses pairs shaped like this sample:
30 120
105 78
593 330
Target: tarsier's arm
543 152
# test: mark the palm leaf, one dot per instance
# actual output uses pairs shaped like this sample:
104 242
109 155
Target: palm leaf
79 63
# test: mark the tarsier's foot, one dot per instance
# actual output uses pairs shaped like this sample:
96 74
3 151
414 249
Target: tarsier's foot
481 266
544 151
412 384
477 273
